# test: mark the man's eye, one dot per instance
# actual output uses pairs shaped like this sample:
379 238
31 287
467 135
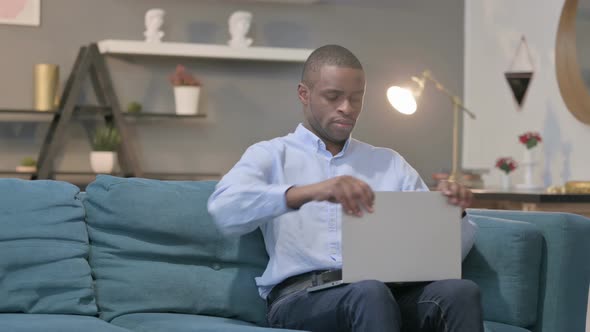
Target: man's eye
332 97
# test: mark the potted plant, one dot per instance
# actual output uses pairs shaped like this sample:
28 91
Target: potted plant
104 146
506 165
134 107
186 91
27 165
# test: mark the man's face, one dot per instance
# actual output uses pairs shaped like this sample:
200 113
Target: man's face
333 104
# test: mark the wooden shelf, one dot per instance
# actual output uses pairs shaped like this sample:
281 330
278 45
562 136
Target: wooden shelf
25 115
86 112
211 51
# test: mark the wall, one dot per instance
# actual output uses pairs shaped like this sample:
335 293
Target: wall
246 101
493 29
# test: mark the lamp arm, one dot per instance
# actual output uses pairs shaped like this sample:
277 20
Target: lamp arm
455 99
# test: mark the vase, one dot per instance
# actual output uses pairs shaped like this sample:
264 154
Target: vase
46 78
529 162
186 99
506 182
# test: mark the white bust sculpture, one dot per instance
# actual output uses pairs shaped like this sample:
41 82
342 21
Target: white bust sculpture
154 18
239 24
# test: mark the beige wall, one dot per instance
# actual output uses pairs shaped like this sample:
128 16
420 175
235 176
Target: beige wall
493 29
246 101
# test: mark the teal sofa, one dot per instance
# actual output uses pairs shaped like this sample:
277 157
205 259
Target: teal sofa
144 255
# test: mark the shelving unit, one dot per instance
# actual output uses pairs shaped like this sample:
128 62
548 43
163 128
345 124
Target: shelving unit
90 64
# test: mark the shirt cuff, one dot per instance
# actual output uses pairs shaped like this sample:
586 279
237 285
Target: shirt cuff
279 194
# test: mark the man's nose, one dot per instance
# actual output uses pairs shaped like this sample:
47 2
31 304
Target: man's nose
345 107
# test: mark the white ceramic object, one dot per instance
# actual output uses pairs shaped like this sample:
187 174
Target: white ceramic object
186 99
239 24
26 169
506 183
154 18
528 164
102 161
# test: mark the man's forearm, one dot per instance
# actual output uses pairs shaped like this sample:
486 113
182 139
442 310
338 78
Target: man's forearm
297 196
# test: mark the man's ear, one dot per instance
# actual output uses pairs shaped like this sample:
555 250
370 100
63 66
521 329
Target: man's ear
303 93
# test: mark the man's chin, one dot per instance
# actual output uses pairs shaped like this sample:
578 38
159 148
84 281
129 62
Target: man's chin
340 137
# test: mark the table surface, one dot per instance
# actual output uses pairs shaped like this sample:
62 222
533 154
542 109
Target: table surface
529 196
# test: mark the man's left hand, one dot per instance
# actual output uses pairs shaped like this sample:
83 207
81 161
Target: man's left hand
457 194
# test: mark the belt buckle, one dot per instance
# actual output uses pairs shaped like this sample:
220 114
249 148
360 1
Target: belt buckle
330 275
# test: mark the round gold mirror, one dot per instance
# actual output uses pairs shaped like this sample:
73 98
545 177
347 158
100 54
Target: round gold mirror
570 74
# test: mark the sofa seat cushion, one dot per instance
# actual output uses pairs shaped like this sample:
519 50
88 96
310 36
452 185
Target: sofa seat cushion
506 262
162 322
55 323
155 248
43 249
499 327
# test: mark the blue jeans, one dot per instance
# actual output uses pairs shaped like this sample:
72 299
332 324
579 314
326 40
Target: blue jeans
444 306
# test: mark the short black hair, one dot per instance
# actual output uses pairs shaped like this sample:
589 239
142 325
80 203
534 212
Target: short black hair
328 55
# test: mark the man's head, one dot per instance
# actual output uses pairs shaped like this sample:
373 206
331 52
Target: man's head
331 90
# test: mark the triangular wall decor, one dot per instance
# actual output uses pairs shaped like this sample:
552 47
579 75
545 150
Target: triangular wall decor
520 73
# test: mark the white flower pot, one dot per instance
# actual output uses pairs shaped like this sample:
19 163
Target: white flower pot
26 169
186 99
102 161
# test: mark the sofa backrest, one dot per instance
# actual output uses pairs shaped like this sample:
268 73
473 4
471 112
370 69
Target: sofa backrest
155 248
43 249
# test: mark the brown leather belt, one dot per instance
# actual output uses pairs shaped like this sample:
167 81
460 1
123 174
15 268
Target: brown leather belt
301 282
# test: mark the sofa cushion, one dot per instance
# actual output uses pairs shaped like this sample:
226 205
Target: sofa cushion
55 323
499 327
154 248
147 322
505 262
43 249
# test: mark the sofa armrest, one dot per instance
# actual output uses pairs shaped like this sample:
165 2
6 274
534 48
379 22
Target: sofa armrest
565 266
505 262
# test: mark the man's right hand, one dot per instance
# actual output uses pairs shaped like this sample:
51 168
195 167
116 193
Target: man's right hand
354 195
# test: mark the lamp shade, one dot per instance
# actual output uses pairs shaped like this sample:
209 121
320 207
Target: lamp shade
402 99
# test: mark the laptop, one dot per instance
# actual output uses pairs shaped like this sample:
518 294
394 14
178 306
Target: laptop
410 237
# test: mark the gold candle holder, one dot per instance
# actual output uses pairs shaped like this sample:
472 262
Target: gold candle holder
46 77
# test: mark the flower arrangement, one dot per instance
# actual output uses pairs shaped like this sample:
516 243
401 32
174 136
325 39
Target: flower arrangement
181 77
530 139
506 164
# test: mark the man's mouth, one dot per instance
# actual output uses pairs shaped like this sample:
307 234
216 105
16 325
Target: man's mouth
344 124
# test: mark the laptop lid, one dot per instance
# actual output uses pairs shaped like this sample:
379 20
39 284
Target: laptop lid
411 236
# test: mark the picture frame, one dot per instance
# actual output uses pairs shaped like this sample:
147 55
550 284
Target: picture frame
20 12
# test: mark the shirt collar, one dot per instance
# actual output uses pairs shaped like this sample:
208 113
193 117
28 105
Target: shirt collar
311 140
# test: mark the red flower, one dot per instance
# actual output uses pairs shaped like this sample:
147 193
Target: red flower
181 77
530 139
506 164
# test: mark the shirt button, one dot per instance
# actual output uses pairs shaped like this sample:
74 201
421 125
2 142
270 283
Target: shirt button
216 267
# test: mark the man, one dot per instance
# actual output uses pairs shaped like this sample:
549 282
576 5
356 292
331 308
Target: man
292 188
